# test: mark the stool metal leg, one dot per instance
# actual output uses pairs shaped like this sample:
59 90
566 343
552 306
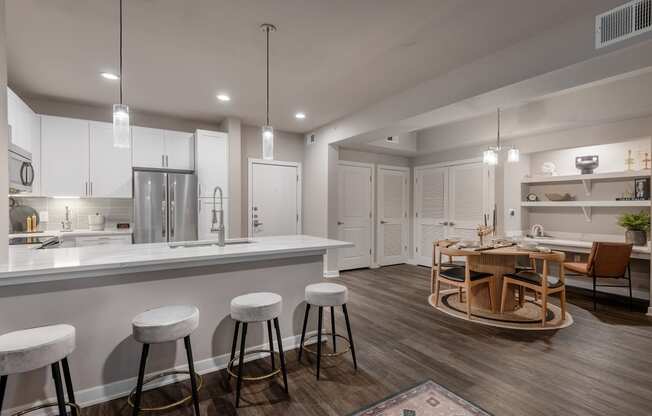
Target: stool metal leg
348 329
241 363
319 326
333 329
193 378
281 354
141 376
271 343
303 332
61 399
233 347
3 387
69 387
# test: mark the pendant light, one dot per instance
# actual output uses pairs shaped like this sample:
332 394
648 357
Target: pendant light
121 135
490 156
268 130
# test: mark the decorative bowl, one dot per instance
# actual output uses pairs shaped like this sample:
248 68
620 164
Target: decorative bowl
559 197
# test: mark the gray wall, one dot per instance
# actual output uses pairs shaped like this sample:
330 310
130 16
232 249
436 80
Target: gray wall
233 127
288 147
4 135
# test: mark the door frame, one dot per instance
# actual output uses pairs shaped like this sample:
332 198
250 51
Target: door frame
372 230
406 200
250 190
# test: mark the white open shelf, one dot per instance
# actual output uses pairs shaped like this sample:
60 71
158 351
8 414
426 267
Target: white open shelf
586 180
586 206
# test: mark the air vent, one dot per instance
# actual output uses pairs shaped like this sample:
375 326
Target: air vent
394 139
623 22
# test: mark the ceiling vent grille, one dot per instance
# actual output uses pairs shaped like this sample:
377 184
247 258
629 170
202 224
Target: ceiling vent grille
623 22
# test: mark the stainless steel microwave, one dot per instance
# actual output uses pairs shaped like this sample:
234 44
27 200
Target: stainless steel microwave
21 170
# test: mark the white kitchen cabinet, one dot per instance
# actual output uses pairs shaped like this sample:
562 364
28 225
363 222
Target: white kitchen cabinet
212 162
64 157
26 133
110 167
163 149
205 218
179 150
148 147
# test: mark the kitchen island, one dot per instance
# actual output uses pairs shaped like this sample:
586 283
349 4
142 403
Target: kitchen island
100 289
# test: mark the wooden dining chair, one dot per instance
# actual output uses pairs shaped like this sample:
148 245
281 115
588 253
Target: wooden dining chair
461 277
450 262
541 283
606 261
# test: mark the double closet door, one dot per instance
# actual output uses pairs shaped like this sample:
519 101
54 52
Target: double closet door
449 202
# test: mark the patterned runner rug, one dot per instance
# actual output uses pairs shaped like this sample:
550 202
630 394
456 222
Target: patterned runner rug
426 399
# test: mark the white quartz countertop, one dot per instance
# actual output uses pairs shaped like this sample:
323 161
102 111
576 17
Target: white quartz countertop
559 242
29 266
74 233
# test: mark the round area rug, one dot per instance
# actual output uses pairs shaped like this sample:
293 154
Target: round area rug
526 318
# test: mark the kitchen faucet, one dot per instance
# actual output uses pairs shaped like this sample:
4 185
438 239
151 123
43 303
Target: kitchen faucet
219 229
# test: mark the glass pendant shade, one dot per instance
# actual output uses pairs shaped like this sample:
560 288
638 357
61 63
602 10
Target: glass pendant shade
490 157
513 155
268 142
121 136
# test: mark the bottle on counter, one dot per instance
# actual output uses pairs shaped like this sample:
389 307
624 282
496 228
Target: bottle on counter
29 224
34 223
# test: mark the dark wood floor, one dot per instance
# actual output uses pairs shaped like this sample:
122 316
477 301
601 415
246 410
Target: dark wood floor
602 365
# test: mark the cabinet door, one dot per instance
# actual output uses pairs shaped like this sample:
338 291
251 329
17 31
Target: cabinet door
64 155
149 147
19 118
179 150
211 162
110 167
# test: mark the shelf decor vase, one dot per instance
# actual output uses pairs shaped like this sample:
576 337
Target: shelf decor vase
636 237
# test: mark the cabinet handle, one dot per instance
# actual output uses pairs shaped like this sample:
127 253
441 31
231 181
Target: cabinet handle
166 161
91 188
163 161
86 191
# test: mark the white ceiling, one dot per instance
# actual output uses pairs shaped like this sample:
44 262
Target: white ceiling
328 59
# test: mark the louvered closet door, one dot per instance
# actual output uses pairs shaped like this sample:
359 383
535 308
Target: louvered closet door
392 215
469 196
431 211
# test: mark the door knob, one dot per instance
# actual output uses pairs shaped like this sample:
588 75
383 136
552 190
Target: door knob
340 223
383 222
443 223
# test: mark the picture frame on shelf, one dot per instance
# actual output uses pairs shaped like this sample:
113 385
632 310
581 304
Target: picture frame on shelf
642 189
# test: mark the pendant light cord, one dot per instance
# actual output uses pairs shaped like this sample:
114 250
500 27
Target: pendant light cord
120 51
498 138
267 33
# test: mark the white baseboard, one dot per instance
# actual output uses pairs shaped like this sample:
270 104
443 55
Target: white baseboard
412 261
331 274
375 266
121 388
649 311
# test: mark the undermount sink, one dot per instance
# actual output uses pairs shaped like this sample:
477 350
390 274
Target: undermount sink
205 243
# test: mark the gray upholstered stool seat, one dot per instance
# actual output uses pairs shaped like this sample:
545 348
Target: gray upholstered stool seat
165 324
29 349
326 294
256 307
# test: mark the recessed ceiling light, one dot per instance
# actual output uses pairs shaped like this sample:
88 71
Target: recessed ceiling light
300 116
223 97
110 76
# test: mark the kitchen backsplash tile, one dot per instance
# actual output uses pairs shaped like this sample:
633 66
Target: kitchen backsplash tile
115 210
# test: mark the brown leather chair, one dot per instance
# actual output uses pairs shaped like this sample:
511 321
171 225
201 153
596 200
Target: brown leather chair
606 261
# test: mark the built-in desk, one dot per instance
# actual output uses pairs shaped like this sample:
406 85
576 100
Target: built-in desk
578 246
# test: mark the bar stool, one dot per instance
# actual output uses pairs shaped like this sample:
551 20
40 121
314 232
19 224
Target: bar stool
29 349
156 326
323 295
250 308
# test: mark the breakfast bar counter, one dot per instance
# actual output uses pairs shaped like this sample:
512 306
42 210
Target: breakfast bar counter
98 290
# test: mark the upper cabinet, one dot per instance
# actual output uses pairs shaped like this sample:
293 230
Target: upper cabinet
25 133
162 149
79 160
64 146
212 162
110 166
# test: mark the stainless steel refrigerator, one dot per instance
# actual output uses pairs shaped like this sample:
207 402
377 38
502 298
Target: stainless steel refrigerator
165 206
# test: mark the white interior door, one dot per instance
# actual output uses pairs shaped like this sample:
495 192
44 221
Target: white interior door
431 211
274 199
354 215
470 187
392 215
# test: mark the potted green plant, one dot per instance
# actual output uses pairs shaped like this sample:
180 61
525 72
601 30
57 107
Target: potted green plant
636 226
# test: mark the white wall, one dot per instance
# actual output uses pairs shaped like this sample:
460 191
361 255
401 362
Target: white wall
4 137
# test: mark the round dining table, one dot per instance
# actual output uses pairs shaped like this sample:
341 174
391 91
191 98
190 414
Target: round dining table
497 261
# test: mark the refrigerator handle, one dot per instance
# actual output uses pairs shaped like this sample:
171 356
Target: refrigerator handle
172 219
164 214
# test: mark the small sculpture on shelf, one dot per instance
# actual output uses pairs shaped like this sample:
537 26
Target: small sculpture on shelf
587 164
645 162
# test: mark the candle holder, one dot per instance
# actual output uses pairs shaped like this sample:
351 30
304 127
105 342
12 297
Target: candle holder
483 231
